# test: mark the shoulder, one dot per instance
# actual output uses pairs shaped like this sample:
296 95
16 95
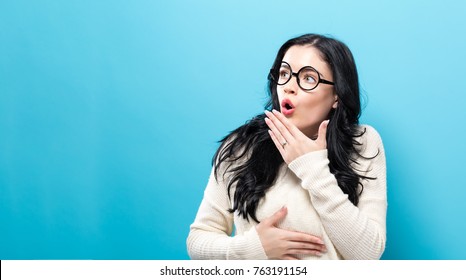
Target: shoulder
369 132
369 139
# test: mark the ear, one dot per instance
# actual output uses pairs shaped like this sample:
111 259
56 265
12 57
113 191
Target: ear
335 103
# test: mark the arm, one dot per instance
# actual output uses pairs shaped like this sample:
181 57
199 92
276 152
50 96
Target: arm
210 234
358 232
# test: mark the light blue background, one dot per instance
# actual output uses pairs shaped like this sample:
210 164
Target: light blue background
110 112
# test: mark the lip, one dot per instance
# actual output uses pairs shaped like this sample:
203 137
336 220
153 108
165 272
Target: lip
285 110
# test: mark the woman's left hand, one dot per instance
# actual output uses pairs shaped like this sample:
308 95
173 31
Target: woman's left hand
290 141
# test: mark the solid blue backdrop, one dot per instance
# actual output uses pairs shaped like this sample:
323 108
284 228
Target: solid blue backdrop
110 112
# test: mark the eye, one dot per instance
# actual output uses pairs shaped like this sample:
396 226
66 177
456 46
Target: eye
309 76
283 74
310 79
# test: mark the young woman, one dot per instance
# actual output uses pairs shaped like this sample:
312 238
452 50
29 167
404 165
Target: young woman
305 180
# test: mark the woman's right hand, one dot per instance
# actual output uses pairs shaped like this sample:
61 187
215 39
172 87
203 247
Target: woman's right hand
284 244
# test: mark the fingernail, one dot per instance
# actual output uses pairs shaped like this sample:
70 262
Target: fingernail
275 111
319 254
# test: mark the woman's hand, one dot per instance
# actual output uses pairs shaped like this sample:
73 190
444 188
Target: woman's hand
290 141
284 244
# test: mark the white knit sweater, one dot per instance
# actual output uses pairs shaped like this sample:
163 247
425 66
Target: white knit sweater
315 203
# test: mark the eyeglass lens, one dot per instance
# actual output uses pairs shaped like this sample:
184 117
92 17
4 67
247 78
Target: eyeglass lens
308 77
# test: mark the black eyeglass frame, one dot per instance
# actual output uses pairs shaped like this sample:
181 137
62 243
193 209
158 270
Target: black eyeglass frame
323 81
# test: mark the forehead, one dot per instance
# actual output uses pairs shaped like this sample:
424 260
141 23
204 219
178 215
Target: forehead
300 56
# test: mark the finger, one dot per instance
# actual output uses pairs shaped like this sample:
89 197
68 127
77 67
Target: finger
305 252
290 257
287 136
323 130
294 245
277 216
275 131
289 125
322 134
277 142
304 237
281 139
307 249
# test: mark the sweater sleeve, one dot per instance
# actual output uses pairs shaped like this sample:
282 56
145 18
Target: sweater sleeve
357 232
210 234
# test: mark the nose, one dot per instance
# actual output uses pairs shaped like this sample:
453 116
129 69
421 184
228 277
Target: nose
292 86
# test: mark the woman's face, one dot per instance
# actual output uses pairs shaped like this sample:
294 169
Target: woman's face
306 109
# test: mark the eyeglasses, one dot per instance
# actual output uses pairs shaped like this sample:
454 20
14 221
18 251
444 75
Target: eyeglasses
308 78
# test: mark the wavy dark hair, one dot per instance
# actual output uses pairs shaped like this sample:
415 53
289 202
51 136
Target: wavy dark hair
249 155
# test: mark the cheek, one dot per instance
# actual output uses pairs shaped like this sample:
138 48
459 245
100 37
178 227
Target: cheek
280 96
318 110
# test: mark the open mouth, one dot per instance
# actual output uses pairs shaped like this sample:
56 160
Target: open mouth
287 107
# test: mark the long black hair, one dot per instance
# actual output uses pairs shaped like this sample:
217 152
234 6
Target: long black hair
252 159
